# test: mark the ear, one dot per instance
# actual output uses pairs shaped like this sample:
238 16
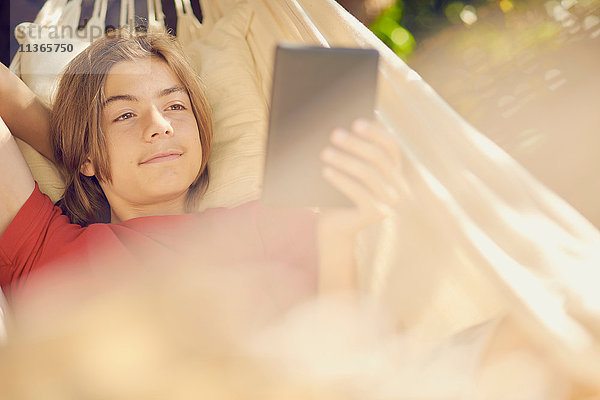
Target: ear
87 168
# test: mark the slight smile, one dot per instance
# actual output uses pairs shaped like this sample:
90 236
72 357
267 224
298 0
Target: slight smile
162 157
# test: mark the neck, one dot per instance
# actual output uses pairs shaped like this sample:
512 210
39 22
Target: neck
122 211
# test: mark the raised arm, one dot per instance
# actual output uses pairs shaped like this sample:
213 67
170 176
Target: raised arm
365 165
16 182
27 117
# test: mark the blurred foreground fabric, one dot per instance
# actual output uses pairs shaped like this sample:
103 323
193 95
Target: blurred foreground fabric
476 236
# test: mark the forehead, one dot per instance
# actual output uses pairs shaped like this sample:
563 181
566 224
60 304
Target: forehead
139 77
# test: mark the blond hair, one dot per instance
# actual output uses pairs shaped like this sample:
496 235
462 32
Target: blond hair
76 133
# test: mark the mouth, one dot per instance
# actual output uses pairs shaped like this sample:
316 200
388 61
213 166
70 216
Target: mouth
162 157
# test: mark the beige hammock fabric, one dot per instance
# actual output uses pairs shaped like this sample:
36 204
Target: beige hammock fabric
477 235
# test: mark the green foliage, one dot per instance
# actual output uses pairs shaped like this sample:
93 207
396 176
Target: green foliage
388 28
398 25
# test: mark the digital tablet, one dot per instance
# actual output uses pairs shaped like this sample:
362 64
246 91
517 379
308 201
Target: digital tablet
315 90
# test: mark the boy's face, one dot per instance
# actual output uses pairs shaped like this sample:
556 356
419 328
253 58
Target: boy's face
152 135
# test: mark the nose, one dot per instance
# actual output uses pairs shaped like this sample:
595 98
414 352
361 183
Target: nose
158 126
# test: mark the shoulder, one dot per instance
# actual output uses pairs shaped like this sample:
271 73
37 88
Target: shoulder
35 217
36 231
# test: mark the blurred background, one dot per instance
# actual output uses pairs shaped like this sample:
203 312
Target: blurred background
526 73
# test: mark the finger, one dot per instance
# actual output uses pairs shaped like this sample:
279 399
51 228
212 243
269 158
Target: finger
366 150
363 173
355 192
376 134
373 155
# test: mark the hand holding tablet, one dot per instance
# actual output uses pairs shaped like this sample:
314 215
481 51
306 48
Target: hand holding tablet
324 148
363 163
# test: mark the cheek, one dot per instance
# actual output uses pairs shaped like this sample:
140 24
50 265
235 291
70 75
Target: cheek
198 143
192 135
199 153
196 135
122 156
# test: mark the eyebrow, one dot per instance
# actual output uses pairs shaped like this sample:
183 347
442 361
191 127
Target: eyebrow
128 97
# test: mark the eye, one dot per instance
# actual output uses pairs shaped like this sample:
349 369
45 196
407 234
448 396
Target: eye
176 107
123 117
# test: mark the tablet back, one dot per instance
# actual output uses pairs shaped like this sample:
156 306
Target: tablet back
315 90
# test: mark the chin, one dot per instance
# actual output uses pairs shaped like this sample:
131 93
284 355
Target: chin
168 192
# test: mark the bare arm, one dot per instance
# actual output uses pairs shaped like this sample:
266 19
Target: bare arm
337 266
27 117
364 164
16 182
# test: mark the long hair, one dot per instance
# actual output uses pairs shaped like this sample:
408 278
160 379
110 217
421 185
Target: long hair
76 133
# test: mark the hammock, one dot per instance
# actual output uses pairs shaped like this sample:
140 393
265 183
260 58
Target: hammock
477 234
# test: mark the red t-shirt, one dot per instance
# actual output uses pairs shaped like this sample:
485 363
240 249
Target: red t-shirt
40 237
